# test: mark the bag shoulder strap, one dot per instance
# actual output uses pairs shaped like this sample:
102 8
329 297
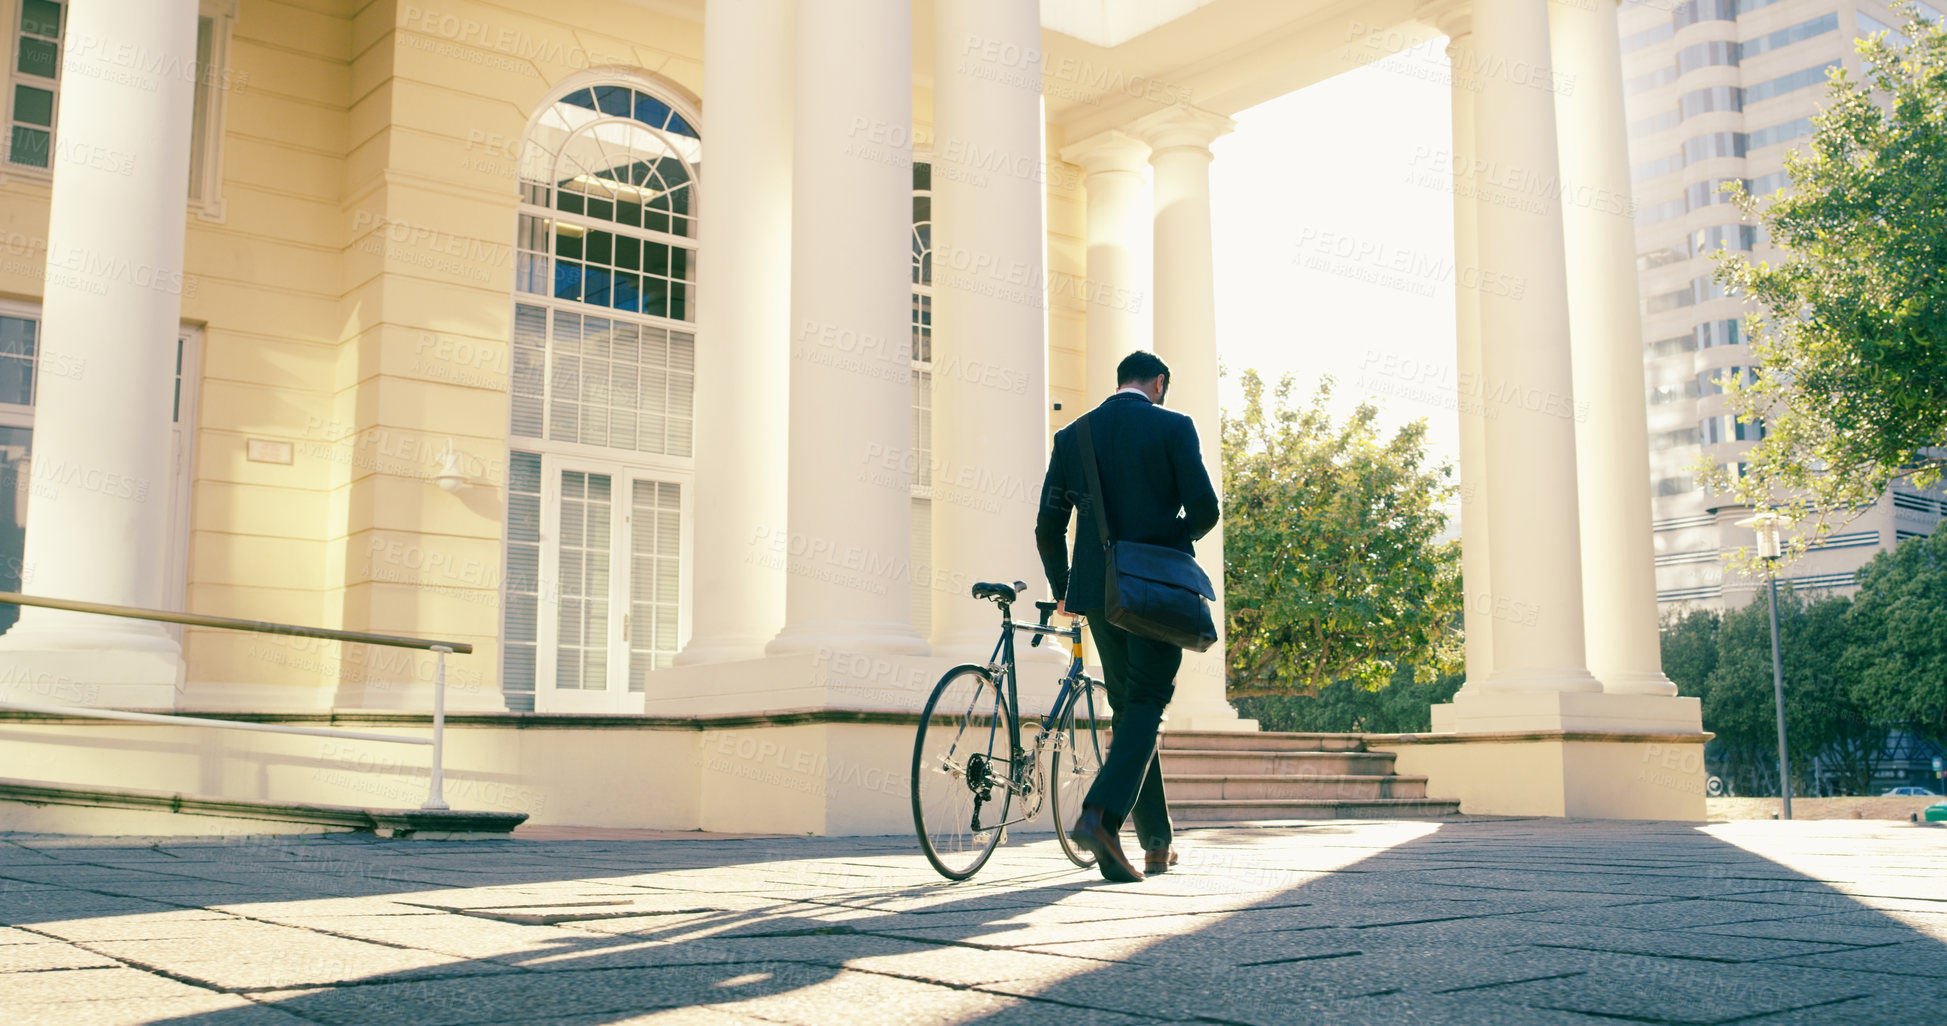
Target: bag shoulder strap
1094 479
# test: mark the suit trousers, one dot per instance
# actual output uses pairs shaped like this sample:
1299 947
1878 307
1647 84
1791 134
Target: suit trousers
1140 675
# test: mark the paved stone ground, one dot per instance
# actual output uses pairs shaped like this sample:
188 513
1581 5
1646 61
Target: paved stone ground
1504 922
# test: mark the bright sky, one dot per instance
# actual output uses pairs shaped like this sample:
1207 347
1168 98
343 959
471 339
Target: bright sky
1318 190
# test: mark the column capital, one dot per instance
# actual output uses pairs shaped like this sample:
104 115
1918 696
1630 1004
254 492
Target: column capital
1113 150
1181 127
1454 18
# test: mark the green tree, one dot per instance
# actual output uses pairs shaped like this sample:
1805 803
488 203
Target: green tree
1333 565
1898 656
1852 334
1824 720
1690 649
1403 706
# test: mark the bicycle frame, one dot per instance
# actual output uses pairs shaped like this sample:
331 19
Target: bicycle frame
1020 760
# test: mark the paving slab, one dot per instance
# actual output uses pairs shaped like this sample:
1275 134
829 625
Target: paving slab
1504 922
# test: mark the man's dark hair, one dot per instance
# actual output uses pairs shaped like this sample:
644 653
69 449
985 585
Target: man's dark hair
1141 365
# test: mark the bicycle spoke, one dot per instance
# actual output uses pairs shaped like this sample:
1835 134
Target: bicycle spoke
960 772
1079 751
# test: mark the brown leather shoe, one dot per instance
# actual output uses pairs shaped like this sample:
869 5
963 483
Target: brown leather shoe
1158 860
1092 834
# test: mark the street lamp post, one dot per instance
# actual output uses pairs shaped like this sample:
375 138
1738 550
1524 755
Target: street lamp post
1769 550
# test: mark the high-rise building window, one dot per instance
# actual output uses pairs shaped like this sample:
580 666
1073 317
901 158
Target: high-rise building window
1715 53
1775 134
1712 334
1705 101
1787 36
1800 79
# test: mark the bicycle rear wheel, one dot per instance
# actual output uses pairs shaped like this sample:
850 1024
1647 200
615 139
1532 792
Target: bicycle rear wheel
1080 748
961 767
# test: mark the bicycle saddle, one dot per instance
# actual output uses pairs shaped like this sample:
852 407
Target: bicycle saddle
993 591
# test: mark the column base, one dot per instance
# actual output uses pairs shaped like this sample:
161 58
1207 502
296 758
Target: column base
1558 773
720 650
1200 703
888 639
98 678
1637 682
1477 711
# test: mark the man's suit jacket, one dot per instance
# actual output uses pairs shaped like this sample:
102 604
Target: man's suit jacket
1153 483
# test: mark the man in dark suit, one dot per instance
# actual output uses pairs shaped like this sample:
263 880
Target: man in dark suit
1156 491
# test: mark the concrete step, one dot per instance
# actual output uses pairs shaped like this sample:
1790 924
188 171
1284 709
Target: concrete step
1240 762
453 823
1207 740
1217 810
1197 786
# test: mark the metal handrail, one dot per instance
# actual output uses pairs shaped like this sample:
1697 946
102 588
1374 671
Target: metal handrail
15 598
436 787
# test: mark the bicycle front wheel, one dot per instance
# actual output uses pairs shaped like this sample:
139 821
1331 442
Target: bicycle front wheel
961 768
1081 744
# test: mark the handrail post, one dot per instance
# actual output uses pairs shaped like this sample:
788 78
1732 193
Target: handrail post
436 789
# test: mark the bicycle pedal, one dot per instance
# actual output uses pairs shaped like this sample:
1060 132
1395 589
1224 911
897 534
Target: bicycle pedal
1003 839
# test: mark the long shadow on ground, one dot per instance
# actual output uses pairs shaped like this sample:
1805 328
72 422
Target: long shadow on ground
1508 923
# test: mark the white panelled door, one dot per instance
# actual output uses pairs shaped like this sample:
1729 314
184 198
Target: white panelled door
611 566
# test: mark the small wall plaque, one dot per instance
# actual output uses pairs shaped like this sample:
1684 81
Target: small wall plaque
263 450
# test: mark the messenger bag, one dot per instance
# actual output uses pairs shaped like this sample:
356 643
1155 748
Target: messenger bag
1152 591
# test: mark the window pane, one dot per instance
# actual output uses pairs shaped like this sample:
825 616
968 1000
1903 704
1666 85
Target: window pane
33 106
38 57
30 146
40 18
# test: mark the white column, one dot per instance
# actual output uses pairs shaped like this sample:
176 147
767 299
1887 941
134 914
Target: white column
111 310
1186 339
1453 19
990 377
848 566
1112 164
1612 436
1534 547
744 319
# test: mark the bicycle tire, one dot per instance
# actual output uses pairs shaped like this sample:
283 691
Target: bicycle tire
1076 760
957 786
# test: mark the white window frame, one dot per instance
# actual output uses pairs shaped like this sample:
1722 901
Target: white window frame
624 466
616 698
205 202
29 172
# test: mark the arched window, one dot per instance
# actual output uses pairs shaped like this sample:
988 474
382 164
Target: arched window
602 395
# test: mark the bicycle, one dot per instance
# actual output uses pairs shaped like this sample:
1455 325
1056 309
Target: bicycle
968 763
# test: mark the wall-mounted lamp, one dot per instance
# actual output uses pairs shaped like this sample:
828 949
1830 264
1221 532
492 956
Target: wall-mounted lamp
450 478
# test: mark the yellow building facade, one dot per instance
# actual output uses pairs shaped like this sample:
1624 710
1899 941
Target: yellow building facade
453 350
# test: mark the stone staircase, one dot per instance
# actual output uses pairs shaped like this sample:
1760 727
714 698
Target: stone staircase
1216 777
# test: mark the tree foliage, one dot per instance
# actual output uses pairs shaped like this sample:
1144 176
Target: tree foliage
1403 706
1333 565
1851 336
1898 658
1856 668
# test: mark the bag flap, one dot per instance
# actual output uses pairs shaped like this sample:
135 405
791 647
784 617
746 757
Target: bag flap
1163 565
